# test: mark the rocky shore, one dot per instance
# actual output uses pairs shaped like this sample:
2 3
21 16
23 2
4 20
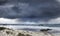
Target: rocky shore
10 32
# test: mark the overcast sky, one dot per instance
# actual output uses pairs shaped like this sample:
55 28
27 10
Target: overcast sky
30 12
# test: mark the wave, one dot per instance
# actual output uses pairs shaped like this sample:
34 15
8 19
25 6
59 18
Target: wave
30 27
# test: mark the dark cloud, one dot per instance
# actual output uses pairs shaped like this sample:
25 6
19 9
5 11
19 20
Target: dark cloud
2 2
40 9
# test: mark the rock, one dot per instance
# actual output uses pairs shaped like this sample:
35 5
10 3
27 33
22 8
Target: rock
45 30
11 32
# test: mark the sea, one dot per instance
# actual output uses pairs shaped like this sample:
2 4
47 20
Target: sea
32 27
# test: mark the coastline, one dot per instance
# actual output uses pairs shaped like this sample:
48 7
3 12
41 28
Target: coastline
11 32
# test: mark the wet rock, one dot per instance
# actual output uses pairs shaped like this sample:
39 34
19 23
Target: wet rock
45 30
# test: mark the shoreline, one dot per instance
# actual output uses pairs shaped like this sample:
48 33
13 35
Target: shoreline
13 32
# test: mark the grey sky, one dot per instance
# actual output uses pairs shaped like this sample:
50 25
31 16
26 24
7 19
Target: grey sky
31 10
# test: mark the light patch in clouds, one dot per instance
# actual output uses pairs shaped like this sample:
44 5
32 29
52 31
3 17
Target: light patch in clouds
15 21
58 0
7 6
54 21
8 21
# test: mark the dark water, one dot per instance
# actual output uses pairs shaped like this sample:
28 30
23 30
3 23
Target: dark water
47 25
33 27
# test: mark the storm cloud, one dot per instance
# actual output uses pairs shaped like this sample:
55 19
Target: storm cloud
32 9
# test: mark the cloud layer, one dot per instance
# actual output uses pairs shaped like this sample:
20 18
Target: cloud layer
34 10
17 21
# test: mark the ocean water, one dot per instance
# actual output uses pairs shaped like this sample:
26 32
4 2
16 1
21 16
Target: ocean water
32 27
35 27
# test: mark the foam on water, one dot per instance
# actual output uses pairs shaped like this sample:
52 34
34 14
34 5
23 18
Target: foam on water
30 27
